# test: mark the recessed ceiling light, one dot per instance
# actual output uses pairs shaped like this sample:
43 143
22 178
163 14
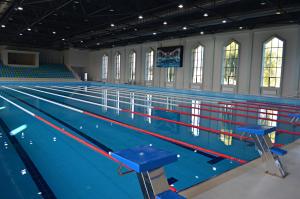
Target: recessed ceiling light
154 33
202 33
112 25
20 8
184 28
135 29
141 17
224 21
21 34
278 12
63 39
165 23
180 6
81 41
241 27
3 26
205 15
54 32
29 29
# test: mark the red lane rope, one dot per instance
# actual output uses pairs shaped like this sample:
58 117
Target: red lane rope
167 138
219 119
76 138
241 104
244 110
190 125
240 115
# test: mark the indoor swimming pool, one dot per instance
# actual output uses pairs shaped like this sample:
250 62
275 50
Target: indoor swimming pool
56 139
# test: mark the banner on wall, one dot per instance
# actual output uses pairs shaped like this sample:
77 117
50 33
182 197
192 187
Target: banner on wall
169 56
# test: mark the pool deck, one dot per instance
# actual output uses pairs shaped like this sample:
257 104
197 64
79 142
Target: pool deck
249 181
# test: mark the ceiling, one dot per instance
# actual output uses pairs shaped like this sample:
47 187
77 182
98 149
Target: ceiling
96 24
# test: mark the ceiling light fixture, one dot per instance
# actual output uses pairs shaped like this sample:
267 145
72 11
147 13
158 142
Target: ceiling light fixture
29 29
184 28
180 6
241 27
154 33
141 17
21 34
3 26
20 8
224 21
165 23
112 25
202 33
205 15
263 3
54 32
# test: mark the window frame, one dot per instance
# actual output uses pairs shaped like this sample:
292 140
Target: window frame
192 63
104 73
132 65
237 71
167 75
117 66
146 77
263 63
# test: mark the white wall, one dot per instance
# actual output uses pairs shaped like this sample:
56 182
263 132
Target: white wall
251 44
76 58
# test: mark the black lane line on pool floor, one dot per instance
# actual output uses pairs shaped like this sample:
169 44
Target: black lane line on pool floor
95 142
214 159
92 140
37 177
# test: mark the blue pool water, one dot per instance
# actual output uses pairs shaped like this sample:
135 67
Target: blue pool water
41 162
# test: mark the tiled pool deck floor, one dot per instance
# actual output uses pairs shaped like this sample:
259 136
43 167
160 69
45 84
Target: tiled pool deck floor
250 182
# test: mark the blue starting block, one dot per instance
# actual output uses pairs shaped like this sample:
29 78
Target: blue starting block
169 194
269 154
148 163
256 129
294 117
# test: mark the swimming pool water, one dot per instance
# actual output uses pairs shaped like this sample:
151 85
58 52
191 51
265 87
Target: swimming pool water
42 162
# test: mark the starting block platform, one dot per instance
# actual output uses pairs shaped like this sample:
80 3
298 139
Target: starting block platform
269 154
148 162
294 117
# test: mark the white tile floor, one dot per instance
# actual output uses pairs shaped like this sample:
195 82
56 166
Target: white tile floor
254 184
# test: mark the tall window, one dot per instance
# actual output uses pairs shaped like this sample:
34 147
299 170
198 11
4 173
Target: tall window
104 66
132 65
117 66
231 64
170 74
272 62
149 65
198 53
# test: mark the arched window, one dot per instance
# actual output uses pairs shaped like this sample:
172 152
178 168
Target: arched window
117 66
198 54
272 62
149 65
104 66
170 74
231 64
132 65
